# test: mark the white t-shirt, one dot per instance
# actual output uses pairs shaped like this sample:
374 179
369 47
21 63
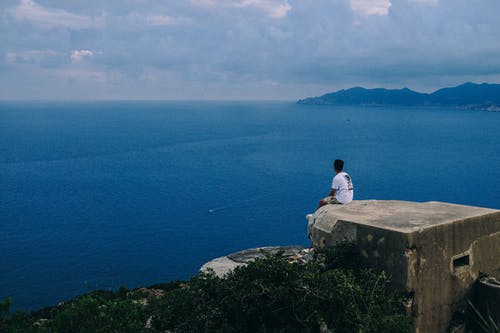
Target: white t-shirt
342 184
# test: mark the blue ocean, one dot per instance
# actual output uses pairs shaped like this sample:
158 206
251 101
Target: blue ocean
94 195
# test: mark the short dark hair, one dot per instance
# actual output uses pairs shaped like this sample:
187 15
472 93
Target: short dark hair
338 165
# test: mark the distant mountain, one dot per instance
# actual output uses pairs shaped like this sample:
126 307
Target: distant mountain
467 95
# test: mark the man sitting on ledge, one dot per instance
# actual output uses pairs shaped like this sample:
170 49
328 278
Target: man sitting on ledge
342 190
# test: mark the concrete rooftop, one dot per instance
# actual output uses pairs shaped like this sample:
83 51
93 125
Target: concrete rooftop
402 216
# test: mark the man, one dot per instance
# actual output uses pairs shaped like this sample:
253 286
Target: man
342 190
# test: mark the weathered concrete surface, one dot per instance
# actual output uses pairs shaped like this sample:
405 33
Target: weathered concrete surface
223 265
433 250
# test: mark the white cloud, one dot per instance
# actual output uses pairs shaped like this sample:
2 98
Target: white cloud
164 20
428 2
371 7
222 43
48 18
10 57
78 55
30 56
271 8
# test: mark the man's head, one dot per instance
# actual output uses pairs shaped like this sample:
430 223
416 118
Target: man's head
338 165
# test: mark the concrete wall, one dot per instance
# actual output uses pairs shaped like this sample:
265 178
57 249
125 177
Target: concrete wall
433 251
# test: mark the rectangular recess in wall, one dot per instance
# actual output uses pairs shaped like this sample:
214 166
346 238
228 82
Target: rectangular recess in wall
461 261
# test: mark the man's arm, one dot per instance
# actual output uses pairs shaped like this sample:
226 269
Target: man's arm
332 192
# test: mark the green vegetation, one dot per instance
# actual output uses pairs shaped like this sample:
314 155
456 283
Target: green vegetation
485 321
268 295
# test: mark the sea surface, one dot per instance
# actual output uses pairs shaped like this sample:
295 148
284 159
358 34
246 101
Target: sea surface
94 195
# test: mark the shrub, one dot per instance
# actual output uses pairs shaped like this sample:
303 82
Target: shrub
267 295
272 295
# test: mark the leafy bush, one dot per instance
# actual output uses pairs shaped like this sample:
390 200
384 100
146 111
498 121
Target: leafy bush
267 295
4 314
87 313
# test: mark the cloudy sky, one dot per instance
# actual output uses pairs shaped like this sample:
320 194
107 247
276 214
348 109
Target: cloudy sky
242 49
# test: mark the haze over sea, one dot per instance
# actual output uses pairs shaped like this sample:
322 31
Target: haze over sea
94 195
